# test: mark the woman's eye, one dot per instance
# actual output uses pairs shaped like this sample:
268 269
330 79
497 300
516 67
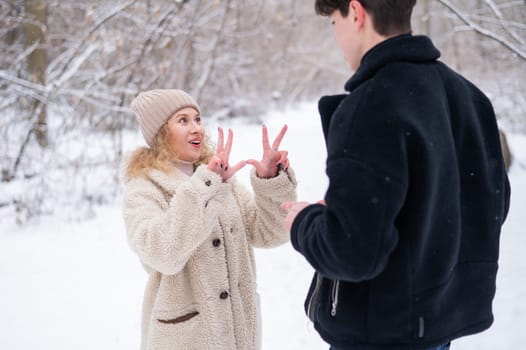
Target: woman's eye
198 120
183 120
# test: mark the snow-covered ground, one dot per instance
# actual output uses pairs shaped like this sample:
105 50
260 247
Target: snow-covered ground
77 285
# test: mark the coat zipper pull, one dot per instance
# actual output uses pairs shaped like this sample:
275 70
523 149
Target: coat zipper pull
335 291
333 310
421 326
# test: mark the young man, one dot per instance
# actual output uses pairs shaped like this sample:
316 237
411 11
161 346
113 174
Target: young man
405 244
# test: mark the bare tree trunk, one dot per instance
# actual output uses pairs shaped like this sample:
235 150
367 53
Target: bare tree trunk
35 35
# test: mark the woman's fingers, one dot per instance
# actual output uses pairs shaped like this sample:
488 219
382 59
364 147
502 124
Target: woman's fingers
219 162
264 138
219 140
214 164
228 146
277 141
234 169
252 162
283 162
273 160
255 163
283 156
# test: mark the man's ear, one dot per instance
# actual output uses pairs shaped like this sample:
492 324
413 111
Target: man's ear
358 13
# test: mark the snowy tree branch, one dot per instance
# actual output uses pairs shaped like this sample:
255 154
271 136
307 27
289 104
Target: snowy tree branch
483 31
210 64
502 21
90 31
22 82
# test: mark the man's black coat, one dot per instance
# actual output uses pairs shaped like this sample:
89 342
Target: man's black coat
406 248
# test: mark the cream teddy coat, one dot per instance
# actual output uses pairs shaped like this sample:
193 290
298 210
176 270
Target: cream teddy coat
195 237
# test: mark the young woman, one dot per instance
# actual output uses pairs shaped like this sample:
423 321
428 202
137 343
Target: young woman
194 227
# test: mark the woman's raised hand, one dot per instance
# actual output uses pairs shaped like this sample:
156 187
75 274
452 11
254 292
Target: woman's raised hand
219 162
273 159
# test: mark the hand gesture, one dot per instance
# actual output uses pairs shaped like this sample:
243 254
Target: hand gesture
219 162
273 159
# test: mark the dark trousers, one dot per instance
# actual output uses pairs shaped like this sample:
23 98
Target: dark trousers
441 347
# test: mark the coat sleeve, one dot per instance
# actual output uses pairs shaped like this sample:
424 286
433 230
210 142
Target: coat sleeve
262 215
165 236
352 237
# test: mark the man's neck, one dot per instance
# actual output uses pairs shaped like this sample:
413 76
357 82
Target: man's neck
374 39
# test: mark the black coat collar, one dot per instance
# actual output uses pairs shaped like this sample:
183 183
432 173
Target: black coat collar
403 48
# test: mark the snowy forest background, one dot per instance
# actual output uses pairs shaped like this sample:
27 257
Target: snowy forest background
68 72
69 69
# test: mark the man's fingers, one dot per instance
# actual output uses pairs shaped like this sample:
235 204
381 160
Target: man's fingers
287 205
292 208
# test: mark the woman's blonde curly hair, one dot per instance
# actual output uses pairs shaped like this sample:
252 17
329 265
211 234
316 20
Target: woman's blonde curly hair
160 156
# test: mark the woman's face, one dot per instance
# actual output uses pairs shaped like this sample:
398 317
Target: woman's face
186 134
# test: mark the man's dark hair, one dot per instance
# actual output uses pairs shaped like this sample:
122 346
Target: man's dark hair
389 16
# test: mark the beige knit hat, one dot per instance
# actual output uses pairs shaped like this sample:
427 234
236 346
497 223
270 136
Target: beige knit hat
153 108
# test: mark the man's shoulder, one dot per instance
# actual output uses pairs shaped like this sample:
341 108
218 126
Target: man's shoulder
418 82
